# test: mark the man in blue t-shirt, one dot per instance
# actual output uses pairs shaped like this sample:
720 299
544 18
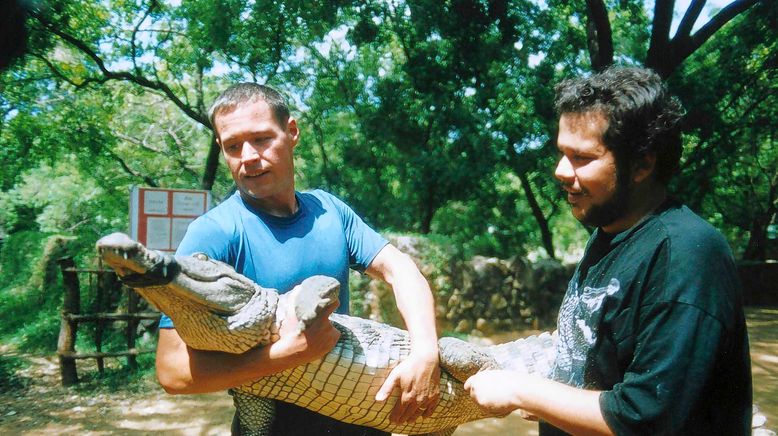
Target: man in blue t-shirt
277 237
651 332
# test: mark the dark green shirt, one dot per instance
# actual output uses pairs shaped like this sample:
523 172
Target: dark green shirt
653 317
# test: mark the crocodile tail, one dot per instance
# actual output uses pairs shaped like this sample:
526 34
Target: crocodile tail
531 355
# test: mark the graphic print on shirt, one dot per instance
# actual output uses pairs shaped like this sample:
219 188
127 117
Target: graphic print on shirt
576 329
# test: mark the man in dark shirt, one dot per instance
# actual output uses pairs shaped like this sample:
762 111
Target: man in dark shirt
651 332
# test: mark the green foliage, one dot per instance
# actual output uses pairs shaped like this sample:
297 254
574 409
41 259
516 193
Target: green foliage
497 221
9 381
19 254
30 313
730 167
117 376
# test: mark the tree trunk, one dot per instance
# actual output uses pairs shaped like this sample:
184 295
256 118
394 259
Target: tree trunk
211 165
428 213
540 218
599 35
757 240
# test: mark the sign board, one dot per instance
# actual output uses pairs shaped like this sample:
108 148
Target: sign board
159 217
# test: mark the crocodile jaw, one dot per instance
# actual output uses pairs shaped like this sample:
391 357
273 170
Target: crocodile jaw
204 282
213 307
124 255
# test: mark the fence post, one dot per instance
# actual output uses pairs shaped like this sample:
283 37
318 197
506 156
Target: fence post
132 327
66 344
101 304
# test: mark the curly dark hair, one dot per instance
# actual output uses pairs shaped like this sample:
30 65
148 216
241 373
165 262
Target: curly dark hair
642 116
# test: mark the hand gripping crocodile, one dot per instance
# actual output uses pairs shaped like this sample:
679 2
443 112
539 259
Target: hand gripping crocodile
215 308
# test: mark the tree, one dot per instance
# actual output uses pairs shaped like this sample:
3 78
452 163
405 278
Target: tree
172 51
665 53
730 172
411 109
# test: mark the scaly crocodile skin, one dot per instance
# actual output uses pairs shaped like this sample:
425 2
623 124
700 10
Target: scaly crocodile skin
215 308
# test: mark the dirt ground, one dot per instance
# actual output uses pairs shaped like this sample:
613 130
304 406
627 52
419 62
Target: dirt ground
42 406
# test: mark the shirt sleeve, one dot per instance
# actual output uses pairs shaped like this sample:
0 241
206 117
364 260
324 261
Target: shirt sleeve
202 236
681 328
676 355
364 243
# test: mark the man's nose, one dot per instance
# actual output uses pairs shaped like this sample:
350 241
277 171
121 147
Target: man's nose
564 170
249 153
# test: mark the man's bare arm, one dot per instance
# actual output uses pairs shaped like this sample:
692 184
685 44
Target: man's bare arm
576 411
418 376
184 370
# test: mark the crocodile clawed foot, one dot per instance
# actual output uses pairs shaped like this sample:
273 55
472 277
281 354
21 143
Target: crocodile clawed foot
313 296
462 359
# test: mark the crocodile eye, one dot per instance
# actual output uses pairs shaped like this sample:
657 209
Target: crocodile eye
200 256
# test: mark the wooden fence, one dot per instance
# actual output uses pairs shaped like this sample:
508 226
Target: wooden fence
106 287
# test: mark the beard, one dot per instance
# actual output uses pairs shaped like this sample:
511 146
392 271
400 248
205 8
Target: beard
614 208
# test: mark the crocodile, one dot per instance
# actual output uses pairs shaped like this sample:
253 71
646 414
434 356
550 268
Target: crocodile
215 308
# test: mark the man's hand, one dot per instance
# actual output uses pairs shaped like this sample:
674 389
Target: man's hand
576 411
418 380
312 343
497 391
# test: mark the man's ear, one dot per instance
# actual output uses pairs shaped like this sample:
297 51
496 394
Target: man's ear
643 168
293 130
218 143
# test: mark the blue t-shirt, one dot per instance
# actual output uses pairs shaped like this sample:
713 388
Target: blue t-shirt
324 236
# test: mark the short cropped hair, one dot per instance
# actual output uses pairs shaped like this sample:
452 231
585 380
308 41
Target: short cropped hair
245 93
642 116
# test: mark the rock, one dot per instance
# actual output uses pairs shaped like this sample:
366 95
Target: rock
464 326
498 301
484 326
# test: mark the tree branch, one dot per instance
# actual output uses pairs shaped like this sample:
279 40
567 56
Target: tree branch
660 35
142 143
133 48
599 34
53 68
122 75
179 146
146 179
689 18
663 19
717 22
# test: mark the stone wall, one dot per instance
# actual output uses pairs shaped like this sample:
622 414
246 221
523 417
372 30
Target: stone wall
477 296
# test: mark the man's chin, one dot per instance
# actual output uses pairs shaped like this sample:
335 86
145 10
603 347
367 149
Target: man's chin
579 214
601 216
253 194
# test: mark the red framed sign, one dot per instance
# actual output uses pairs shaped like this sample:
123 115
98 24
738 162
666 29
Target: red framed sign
159 217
